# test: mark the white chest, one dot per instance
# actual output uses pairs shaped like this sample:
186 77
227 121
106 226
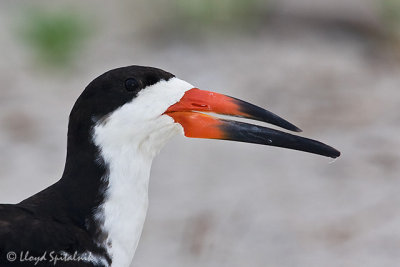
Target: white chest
125 208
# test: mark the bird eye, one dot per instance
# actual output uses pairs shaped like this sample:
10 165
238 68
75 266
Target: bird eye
131 85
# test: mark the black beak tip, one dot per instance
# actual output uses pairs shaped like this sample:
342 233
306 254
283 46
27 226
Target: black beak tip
296 129
329 151
335 154
285 124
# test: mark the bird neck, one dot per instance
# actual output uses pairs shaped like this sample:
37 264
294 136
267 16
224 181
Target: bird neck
107 169
111 180
123 211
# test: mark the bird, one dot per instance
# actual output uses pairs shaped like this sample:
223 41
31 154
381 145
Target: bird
94 214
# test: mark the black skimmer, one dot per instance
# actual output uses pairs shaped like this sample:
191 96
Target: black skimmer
93 216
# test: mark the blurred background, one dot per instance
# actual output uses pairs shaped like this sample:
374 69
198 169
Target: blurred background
330 67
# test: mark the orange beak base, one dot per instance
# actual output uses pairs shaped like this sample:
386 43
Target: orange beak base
199 125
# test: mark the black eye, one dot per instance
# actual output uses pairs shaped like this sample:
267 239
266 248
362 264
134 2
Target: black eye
131 85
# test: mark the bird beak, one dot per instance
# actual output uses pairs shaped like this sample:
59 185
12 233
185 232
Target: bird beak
198 125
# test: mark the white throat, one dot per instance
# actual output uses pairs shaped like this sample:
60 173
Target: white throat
128 139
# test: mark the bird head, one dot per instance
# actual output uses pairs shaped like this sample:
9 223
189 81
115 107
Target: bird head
144 107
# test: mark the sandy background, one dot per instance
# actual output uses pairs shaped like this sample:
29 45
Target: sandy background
330 68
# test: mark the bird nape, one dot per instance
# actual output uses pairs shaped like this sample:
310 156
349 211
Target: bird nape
93 216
